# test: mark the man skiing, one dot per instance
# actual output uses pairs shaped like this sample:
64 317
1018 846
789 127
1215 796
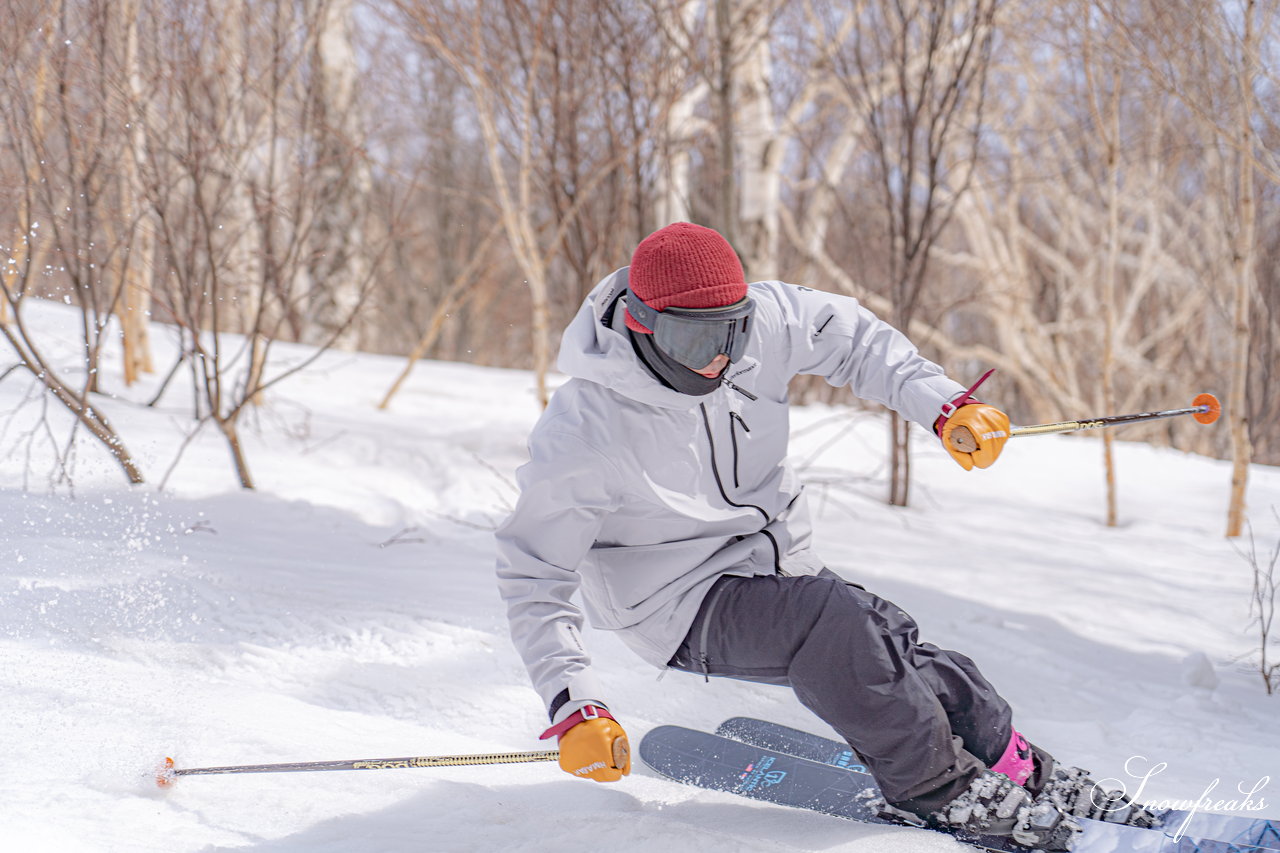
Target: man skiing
658 486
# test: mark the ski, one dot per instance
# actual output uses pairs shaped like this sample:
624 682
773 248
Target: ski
1251 833
718 763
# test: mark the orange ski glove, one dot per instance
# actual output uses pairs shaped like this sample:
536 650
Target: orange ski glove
989 428
983 429
592 745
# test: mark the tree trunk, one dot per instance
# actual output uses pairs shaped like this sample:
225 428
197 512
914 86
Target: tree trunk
672 183
760 196
341 267
899 460
236 287
1243 270
138 263
1111 123
232 434
23 258
900 435
726 178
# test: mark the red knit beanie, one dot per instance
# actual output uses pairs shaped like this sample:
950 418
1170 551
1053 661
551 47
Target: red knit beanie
686 266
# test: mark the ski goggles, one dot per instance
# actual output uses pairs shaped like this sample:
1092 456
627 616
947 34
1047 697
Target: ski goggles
695 336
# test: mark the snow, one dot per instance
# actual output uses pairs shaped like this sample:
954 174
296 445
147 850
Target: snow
346 610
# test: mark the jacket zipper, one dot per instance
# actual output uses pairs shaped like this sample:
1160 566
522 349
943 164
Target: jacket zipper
715 469
733 438
706 631
743 391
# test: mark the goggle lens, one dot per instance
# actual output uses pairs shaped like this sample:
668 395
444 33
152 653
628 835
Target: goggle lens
694 336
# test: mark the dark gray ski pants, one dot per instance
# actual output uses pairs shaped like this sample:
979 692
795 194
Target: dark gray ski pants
923 718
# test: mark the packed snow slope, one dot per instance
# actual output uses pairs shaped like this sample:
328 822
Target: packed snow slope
345 609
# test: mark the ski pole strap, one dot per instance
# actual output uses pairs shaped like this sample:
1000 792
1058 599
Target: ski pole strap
949 409
586 712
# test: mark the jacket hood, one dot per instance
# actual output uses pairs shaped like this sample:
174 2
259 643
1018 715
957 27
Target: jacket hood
595 347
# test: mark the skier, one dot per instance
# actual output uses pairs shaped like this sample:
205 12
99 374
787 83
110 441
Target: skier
658 485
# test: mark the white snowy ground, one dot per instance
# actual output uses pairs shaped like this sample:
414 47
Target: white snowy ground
345 609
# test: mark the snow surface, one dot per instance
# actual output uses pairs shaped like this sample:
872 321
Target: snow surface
346 610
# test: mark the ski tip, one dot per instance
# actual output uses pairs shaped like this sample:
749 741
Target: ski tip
164 774
1212 408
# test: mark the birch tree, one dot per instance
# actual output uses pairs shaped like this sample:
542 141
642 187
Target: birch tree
137 263
760 148
682 124
1246 64
339 264
1104 107
724 107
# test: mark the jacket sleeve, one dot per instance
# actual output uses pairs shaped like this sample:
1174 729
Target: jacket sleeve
564 496
835 337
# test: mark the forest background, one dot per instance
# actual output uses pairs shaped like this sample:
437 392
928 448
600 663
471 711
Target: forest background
1079 193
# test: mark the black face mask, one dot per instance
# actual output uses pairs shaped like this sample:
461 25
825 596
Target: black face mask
670 372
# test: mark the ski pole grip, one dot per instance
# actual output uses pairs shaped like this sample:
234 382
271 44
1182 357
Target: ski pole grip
621 750
963 440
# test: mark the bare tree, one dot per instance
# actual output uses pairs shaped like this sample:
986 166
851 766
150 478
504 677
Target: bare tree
472 43
932 56
1093 228
233 170
459 289
61 147
231 182
528 71
1262 605
1209 58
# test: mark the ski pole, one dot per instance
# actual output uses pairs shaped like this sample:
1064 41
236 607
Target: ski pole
1205 408
168 774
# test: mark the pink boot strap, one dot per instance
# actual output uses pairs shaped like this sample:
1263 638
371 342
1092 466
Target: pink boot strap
1016 763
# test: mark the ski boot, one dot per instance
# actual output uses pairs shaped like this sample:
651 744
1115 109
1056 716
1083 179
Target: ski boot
1072 791
995 805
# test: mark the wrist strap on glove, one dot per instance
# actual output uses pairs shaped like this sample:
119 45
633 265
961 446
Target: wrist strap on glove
586 712
949 409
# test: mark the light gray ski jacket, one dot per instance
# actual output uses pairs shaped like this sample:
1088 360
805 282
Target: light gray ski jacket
640 497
